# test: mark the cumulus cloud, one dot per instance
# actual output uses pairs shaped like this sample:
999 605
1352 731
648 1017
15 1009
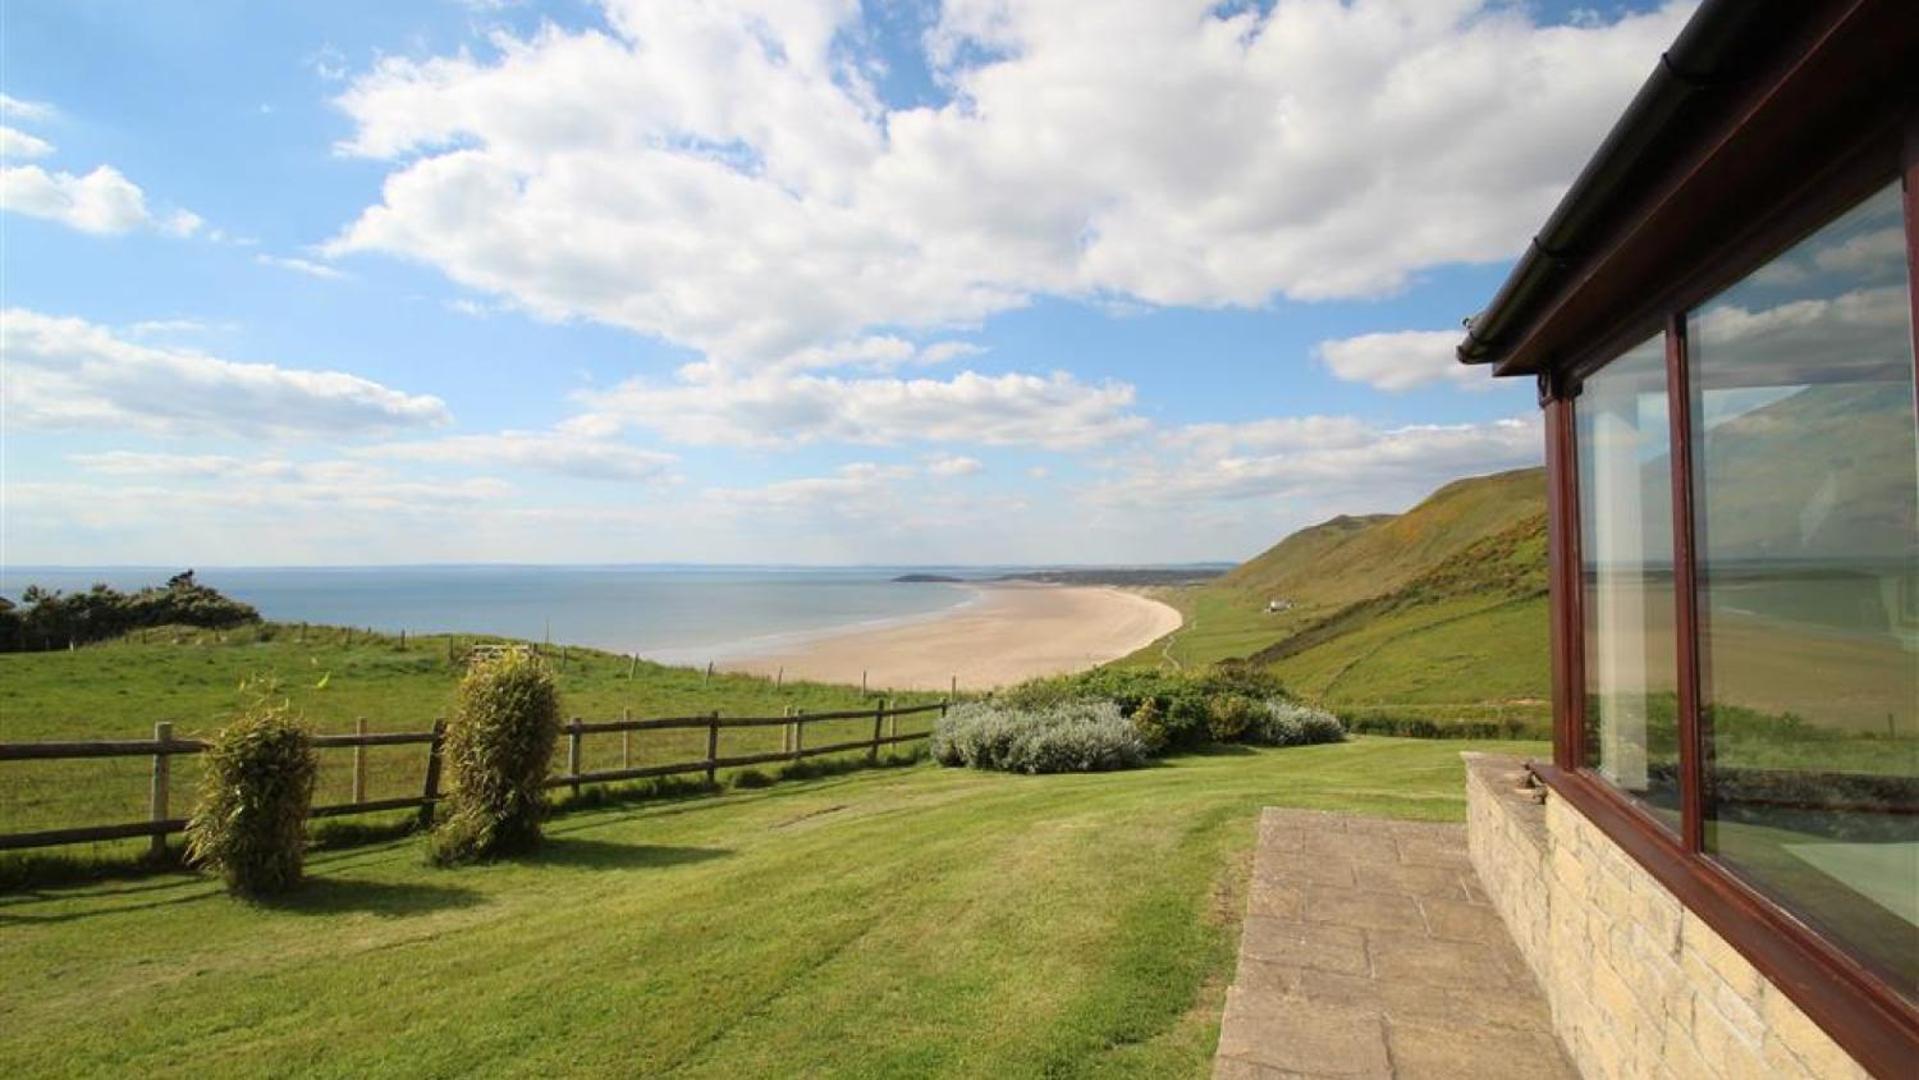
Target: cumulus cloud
563 453
778 409
18 144
1400 360
727 176
102 202
68 373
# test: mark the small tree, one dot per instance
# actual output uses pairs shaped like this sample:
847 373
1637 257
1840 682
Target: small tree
499 744
256 785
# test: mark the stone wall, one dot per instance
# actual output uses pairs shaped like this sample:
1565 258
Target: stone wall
1638 985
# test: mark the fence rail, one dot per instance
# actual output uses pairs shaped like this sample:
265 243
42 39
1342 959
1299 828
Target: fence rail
163 747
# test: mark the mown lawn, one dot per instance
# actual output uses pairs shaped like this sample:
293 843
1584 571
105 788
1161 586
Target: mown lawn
907 921
192 679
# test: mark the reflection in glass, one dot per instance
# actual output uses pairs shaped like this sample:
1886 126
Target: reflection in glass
1805 488
1625 544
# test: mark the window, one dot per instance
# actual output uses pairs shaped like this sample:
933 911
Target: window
1625 542
1805 489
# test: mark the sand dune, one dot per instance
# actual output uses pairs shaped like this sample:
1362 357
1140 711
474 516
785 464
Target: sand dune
1010 632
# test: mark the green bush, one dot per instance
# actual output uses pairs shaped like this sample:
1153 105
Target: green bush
256 785
1149 723
1419 727
499 745
1082 736
1229 716
1288 723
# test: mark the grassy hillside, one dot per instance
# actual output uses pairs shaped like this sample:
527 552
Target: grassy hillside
192 678
1349 559
917 921
1440 610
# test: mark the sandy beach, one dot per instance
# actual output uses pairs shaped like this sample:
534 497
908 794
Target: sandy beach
1008 633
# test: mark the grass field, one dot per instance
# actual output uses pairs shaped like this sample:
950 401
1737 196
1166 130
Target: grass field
119 689
1220 624
913 921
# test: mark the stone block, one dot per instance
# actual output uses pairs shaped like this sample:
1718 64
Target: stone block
1303 1036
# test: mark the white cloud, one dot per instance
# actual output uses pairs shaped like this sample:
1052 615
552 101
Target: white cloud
301 266
180 223
102 202
776 409
1353 461
181 466
1401 360
68 373
171 327
725 175
209 482
949 465
563 453
852 491
21 109
18 144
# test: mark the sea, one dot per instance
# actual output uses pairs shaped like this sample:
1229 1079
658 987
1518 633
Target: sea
672 614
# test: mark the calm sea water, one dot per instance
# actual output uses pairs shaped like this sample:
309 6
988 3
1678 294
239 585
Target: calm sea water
673 614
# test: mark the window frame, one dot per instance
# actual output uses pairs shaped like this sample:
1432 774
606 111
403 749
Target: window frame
1860 1010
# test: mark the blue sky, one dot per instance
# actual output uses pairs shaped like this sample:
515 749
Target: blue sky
371 282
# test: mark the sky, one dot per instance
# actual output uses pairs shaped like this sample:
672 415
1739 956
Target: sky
765 281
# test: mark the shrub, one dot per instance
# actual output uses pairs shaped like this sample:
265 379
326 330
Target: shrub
256 784
1420 727
1149 723
1080 736
748 779
1229 716
1288 723
506 720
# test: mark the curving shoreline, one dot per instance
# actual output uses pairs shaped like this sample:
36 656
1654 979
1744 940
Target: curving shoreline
1013 631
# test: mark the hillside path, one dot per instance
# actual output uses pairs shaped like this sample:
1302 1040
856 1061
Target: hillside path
1370 950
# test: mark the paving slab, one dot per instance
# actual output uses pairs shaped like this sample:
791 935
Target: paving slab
1369 950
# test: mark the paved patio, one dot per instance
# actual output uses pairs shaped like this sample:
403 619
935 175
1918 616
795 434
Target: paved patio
1370 951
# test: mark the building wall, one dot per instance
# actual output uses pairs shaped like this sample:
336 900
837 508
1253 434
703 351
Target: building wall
1638 985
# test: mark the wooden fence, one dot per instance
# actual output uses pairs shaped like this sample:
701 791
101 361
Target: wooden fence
163 747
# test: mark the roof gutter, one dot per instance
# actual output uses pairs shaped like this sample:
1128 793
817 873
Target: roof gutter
1701 57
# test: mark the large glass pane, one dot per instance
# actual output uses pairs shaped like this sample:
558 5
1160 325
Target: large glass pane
1806 480
1625 544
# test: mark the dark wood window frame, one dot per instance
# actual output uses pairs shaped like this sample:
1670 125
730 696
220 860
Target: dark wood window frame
1864 1014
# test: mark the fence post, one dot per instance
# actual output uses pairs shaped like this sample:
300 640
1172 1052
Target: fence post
799 734
626 741
573 740
893 724
432 792
157 797
786 730
952 689
359 761
632 665
713 748
779 677
862 683
879 717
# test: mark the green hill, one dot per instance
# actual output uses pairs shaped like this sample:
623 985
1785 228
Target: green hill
1353 558
1439 610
